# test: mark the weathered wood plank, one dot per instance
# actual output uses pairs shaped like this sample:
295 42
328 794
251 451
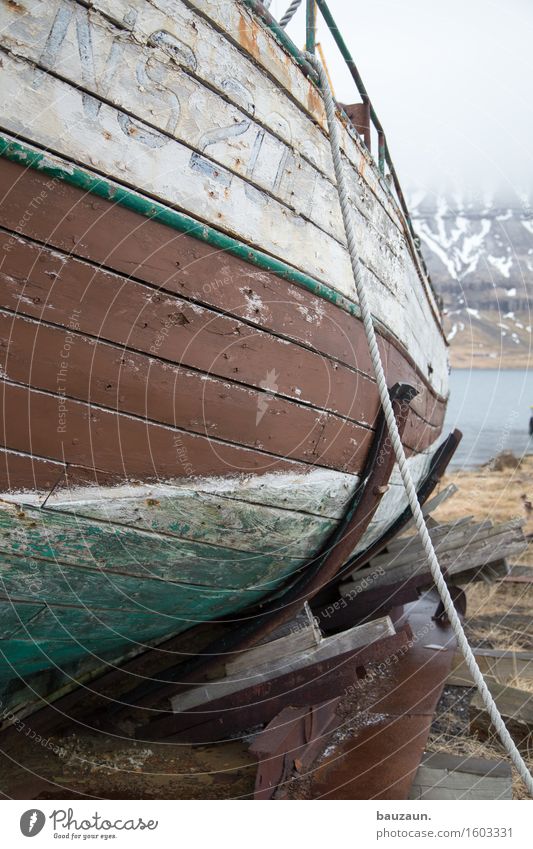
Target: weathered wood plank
54 287
255 705
31 532
444 776
214 57
121 444
501 541
445 538
28 479
200 516
248 32
92 371
14 615
358 636
149 161
145 81
193 514
501 666
57 583
205 191
302 634
450 533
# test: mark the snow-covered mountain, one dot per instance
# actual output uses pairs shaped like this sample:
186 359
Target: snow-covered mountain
480 257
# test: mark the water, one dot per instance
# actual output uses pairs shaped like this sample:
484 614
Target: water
492 409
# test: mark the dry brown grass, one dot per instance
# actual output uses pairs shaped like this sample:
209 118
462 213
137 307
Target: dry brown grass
488 494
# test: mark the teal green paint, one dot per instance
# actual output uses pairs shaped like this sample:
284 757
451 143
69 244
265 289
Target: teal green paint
207 518
310 26
103 188
47 534
25 657
58 584
14 614
76 625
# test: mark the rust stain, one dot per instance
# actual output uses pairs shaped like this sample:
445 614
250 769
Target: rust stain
248 31
17 7
314 103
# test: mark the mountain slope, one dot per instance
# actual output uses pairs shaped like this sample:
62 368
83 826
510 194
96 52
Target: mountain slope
480 257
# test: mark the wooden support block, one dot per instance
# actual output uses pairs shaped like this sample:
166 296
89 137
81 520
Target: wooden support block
516 708
443 776
500 666
257 704
339 644
292 638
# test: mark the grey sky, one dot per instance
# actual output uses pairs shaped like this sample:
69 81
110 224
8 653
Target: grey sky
452 81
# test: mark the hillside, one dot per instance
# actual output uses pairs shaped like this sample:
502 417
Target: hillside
480 257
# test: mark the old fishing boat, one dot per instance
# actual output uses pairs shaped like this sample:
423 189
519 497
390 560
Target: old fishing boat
190 418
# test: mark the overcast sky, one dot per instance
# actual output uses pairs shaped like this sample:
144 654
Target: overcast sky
452 82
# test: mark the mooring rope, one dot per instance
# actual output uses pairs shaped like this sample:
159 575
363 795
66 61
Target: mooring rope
289 14
399 452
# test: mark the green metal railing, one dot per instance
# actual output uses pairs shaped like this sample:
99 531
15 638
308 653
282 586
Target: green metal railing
310 27
384 160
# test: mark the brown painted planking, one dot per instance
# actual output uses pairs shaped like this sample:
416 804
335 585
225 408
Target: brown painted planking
128 313
44 284
107 375
120 444
22 472
79 223
27 472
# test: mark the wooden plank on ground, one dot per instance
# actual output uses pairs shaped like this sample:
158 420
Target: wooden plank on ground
501 666
519 574
444 776
516 708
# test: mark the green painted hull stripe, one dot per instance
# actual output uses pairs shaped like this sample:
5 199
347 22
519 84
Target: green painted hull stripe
102 187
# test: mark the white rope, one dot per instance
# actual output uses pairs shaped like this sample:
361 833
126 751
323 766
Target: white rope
289 14
399 452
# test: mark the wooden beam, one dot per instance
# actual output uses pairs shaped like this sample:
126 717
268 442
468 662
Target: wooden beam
444 776
500 666
295 637
257 704
466 549
346 641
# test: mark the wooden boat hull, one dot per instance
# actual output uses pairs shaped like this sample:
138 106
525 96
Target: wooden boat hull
187 392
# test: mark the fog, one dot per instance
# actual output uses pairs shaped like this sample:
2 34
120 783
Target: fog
451 81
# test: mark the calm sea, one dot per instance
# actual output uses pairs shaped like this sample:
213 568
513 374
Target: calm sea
492 408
